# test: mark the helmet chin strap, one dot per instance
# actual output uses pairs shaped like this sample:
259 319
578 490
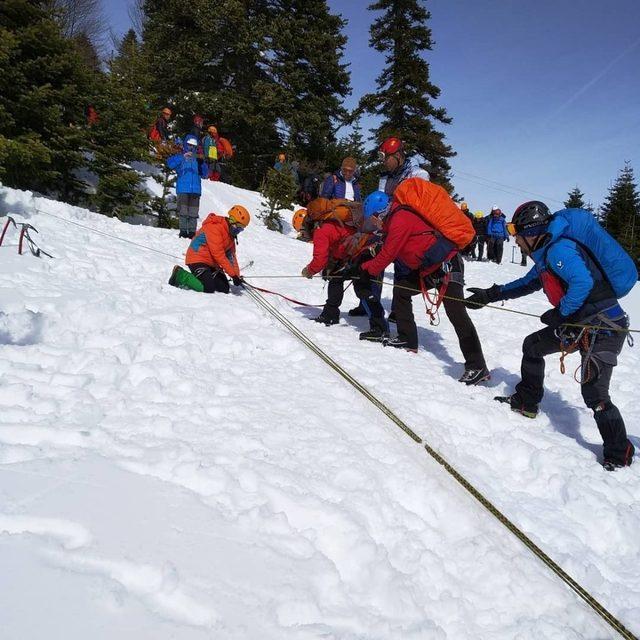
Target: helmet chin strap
536 244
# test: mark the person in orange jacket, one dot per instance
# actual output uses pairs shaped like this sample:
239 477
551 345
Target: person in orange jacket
212 254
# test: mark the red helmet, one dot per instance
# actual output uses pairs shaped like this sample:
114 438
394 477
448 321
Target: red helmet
198 120
391 145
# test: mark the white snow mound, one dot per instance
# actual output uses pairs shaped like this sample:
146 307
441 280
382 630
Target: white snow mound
177 465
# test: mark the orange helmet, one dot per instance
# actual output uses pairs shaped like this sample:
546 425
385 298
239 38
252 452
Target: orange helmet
298 219
239 215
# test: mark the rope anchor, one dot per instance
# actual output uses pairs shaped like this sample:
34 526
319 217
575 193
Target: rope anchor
24 234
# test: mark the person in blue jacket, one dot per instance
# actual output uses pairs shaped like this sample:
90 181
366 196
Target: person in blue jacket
342 184
581 294
188 187
496 234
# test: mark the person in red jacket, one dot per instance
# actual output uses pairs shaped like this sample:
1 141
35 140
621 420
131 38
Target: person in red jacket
212 254
420 253
334 247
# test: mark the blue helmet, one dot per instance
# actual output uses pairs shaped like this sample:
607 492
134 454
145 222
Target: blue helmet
375 203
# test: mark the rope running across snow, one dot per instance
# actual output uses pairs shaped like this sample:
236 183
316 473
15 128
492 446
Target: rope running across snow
608 617
174 257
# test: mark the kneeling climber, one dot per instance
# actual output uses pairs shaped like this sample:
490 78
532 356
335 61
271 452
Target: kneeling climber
212 254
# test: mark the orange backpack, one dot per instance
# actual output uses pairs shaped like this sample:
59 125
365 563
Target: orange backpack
224 148
434 205
345 212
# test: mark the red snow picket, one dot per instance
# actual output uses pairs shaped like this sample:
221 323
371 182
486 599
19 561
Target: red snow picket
24 233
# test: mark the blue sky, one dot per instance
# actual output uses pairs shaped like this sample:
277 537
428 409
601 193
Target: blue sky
544 94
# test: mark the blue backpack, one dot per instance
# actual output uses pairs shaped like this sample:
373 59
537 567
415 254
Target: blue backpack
616 264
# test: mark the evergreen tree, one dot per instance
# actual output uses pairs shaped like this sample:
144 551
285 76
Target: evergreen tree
620 213
306 64
44 89
575 200
119 136
405 93
211 58
278 190
88 52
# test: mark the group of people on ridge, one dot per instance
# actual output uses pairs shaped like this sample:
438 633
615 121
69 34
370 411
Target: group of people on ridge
200 158
414 224
490 231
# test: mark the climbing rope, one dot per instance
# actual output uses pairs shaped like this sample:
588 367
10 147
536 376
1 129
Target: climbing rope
381 281
484 501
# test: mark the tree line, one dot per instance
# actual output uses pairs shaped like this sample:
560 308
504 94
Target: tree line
271 74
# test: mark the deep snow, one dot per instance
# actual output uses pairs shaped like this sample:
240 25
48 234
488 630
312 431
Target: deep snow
177 465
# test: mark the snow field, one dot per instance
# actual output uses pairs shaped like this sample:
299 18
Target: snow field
175 465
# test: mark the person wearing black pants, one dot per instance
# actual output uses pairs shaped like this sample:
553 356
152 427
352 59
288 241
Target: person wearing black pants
213 280
408 286
599 356
585 316
364 290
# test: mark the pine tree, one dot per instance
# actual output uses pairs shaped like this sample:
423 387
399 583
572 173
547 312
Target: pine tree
212 59
119 137
44 89
575 200
620 212
306 64
278 190
405 93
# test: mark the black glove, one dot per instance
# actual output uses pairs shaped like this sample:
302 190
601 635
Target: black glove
365 276
552 318
481 297
238 281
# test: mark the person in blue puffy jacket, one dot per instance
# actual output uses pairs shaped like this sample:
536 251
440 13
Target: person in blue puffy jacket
188 187
586 315
496 234
342 184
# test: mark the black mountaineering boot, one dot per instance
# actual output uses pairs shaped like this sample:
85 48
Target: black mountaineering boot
358 311
326 320
475 376
517 405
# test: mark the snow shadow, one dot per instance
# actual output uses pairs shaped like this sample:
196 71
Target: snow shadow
563 416
21 329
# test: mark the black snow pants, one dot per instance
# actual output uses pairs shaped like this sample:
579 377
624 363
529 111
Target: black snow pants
597 367
453 306
494 249
368 298
213 280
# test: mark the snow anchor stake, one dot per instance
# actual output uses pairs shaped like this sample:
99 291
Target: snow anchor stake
24 233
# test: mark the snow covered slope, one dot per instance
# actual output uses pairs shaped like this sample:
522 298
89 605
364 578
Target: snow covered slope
176 465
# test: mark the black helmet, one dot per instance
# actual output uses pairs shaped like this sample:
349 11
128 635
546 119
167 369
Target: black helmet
530 216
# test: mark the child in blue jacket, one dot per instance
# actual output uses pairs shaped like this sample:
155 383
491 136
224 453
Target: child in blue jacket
188 187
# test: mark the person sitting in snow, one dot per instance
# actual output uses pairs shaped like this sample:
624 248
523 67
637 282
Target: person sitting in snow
212 254
188 187
583 294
